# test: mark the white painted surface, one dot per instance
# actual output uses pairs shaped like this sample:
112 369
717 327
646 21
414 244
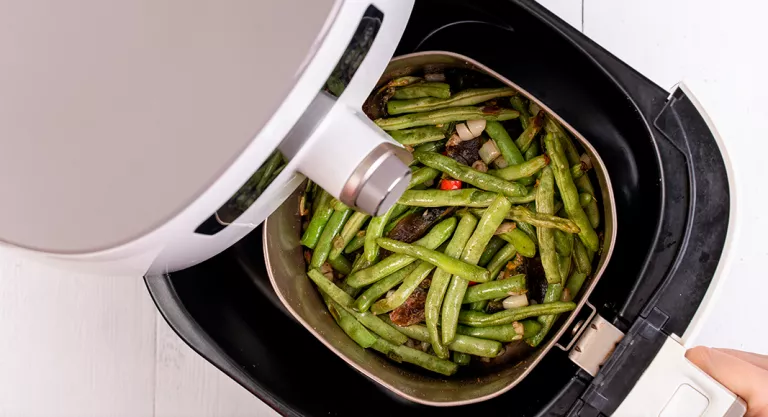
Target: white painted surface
74 345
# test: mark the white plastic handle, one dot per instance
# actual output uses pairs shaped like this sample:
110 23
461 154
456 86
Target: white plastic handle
674 387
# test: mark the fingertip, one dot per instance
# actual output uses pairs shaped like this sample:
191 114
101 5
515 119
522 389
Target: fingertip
701 356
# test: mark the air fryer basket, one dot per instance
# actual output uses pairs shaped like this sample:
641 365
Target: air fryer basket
286 267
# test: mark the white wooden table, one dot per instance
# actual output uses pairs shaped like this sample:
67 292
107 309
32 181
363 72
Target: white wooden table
73 345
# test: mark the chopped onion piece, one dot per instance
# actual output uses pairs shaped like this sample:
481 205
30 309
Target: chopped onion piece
489 151
453 141
505 227
434 76
463 131
515 301
500 162
476 126
586 161
480 166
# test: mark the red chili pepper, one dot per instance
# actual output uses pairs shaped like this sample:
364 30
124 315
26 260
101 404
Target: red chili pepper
471 283
449 184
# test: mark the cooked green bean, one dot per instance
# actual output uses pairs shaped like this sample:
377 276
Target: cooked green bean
525 169
375 291
501 333
518 104
417 135
441 279
466 174
523 142
340 264
494 246
409 285
530 328
564 266
419 90
416 357
529 230
461 358
495 289
500 260
470 272
581 258
349 324
486 227
436 236
356 243
540 219
478 319
533 151
524 244
585 199
375 230
545 204
367 319
504 142
553 294
320 218
325 243
270 167
462 343
394 221
573 286
429 147
468 97
569 193
468 197
563 243
422 175
348 232
578 170
445 116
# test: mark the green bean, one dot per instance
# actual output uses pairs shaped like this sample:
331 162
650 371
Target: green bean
375 291
427 89
553 294
322 214
416 357
486 227
530 328
441 279
585 199
353 225
270 167
409 285
464 173
504 142
535 124
578 170
501 258
445 116
478 319
325 243
422 175
540 219
495 289
466 344
545 204
340 264
461 358
349 324
356 243
375 230
417 135
436 236
502 333
367 319
573 286
569 194
533 151
468 97
493 247
563 243
429 147
533 108
581 258
468 197
518 104
393 223
521 241
470 272
525 169
564 266
529 230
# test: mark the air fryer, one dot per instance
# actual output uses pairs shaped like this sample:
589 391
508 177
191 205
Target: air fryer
673 206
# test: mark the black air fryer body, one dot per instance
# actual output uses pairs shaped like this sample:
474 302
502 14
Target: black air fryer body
672 203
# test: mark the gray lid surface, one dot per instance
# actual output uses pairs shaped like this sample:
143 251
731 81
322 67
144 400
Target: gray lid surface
114 116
